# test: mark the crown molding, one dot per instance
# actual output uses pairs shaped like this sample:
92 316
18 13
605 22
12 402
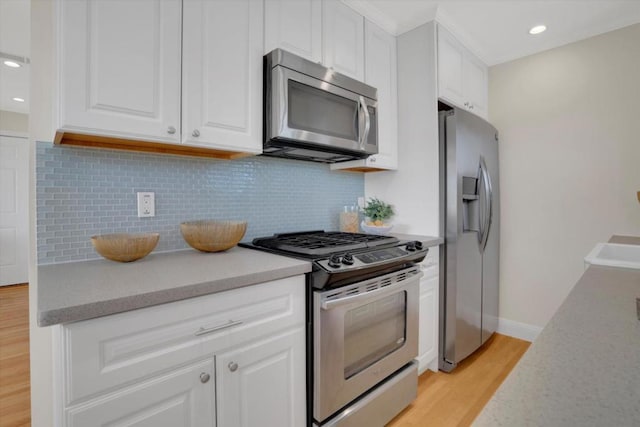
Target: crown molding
373 14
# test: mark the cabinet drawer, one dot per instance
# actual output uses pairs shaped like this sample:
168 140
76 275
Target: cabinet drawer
116 350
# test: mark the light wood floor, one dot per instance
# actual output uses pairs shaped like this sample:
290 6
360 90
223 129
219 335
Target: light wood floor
15 410
456 399
443 399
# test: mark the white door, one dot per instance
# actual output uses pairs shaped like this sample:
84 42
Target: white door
343 39
450 77
14 210
295 26
380 72
428 335
222 74
120 68
263 384
475 85
182 398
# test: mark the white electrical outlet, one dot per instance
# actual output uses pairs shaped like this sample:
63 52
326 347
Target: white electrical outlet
146 204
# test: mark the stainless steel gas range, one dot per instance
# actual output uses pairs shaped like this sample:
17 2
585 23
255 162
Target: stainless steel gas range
362 317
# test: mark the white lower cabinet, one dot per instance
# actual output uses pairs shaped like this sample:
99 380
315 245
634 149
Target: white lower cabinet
163 366
262 384
429 313
181 398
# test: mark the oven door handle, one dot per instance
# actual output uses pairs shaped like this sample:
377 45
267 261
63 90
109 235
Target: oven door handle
380 292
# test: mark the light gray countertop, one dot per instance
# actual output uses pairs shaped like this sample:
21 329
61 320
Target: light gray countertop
84 290
584 367
427 241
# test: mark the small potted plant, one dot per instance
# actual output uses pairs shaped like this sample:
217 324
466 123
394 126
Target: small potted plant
378 214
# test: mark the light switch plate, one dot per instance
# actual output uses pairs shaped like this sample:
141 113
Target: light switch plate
146 204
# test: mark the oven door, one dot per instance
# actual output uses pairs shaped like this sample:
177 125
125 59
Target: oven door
316 112
363 333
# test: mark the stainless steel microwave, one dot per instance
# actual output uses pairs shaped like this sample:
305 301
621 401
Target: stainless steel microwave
314 113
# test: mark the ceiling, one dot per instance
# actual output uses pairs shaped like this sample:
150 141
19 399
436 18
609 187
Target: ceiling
496 30
14 41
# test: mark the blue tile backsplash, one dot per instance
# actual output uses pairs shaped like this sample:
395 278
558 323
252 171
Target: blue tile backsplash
83 192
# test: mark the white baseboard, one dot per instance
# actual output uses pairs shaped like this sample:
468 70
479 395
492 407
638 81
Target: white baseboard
515 329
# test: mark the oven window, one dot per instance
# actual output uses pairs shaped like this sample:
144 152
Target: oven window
322 112
373 331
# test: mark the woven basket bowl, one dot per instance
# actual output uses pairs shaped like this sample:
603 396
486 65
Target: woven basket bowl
212 235
124 247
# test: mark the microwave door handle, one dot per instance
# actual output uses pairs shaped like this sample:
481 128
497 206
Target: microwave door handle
282 81
361 122
367 125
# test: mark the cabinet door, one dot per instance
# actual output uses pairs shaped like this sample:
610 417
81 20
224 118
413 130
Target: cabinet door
428 329
295 26
450 60
343 39
120 68
182 398
380 72
475 85
222 74
263 384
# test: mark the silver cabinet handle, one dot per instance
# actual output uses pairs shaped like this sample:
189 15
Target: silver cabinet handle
233 366
466 104
471 106
171 130
372 159
196 133
230 323
204 377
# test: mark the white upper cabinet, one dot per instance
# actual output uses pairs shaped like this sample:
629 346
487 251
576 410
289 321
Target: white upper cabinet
476 85
295 26
381 73
462 78
119 68
343 39
182 72
222 74
450 59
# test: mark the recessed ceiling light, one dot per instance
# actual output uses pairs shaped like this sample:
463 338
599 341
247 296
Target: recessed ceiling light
18 99
12 64
538 29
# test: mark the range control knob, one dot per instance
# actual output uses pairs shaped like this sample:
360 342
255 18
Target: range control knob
418 244
347 259
335 261
411 246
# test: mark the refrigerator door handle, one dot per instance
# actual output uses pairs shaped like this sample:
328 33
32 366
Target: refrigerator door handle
485 220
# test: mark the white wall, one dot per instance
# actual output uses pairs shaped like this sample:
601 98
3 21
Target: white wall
14 122
569 122
413 189
40 129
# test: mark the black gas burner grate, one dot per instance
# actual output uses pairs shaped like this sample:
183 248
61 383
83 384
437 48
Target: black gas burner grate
316 243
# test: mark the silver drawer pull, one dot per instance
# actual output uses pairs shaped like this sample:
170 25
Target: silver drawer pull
204 377
230 323
233 366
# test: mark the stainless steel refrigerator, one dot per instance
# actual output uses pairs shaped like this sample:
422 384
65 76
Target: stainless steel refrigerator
470 222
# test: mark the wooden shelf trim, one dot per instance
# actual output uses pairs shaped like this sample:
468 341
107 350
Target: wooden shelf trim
96 141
